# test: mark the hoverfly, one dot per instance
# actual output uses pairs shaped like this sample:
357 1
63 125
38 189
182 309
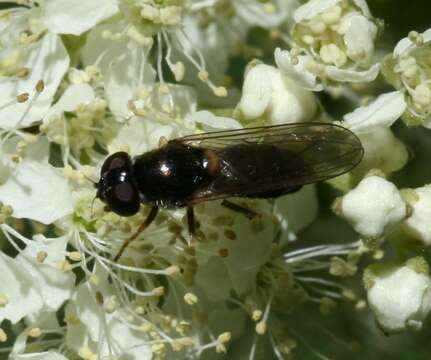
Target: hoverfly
258 162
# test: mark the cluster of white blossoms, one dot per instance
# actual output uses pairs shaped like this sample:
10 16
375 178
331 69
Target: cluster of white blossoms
82 79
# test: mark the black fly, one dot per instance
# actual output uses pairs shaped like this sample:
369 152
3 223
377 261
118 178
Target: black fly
260 162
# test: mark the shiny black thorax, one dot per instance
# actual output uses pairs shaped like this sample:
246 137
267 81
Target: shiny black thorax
168 175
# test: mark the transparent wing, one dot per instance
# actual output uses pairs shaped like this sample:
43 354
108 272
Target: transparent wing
259 160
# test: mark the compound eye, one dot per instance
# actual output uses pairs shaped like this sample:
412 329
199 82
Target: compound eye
118 160
123 199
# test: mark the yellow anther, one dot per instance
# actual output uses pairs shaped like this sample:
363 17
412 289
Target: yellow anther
190 299
21 98
35 332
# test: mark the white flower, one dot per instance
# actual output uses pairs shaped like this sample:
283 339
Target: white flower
409 72
127 76
90 324
46 60
417 224
41 56
400 296
270 95
334 40
373 206
34 282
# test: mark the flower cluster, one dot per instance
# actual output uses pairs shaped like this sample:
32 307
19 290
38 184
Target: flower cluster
82 80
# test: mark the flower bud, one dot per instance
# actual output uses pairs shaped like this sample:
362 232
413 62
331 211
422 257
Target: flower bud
277 98
400 296
373 206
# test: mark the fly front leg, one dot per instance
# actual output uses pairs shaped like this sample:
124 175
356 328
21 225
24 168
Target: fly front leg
150 218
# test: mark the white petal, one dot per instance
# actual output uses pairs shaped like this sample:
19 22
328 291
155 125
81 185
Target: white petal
296 211
124 78
312 8
346 75
256 243
54 247
382 150
209 40
360 34
253 12
96 45
49 355
16 285
212 122
130 344
180 101
212 277
75 95
289 101
75 17
362 4
53 285
30 286
36 191
142 135
222 318
48 60
256 92
38 151
88 311
383 111
296 72
99 326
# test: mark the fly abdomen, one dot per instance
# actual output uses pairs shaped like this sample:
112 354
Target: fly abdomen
254 165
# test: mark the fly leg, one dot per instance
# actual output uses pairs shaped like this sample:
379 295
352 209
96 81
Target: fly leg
191 223
249 213
150 218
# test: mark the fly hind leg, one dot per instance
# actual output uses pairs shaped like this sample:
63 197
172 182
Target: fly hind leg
249 213
191 224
